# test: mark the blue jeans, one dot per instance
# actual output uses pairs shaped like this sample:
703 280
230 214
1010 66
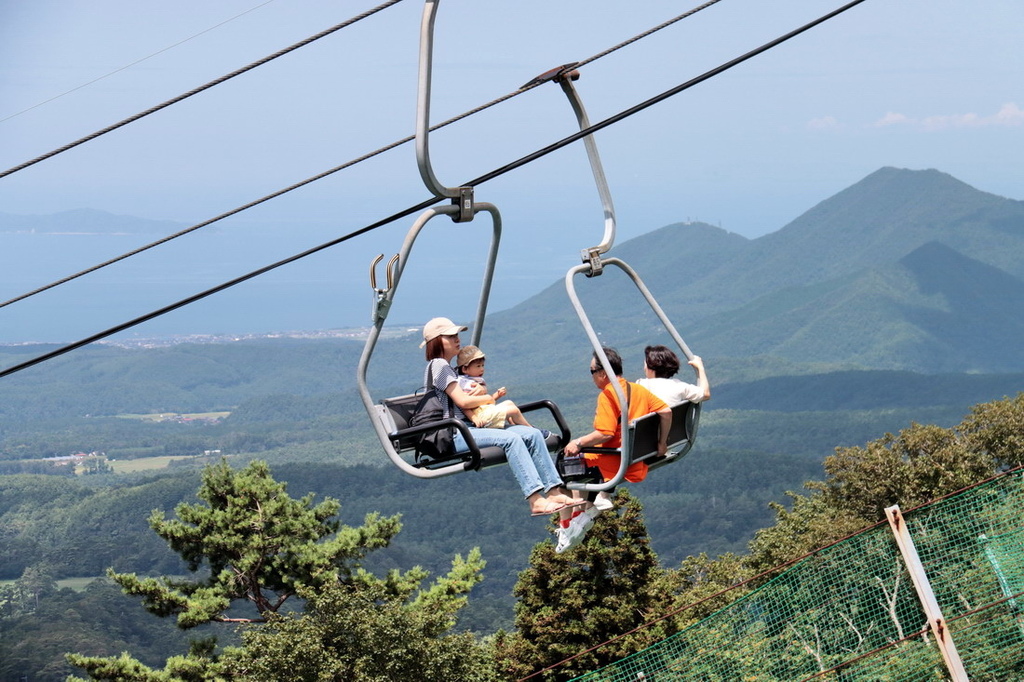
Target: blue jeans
526 453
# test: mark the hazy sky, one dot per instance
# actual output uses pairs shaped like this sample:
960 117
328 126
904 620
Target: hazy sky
907 83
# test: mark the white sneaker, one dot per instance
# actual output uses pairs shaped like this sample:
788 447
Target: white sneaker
603 502
574 534
563 540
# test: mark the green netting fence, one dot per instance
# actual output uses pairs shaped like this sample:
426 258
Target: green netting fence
851 612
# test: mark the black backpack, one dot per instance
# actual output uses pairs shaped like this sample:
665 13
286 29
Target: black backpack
439 443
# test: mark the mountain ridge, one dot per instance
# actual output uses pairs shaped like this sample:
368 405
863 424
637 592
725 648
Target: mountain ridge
845 285
891 211
842 286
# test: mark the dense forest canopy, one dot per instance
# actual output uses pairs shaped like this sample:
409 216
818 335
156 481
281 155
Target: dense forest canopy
919 463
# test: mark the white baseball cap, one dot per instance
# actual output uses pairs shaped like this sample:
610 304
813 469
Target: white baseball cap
440 326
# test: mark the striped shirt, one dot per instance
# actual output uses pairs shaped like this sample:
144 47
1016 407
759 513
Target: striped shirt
443 375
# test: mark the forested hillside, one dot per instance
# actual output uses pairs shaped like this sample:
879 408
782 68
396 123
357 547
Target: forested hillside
615 563
897 301
297 402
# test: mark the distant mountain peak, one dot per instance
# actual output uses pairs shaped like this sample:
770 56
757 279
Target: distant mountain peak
903 270
938 267
891 180
894 174
892 212
898 194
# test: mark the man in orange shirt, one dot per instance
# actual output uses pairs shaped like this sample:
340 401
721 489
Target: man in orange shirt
607 433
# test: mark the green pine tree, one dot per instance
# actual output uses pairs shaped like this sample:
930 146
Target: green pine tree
257 546
591 595
369 634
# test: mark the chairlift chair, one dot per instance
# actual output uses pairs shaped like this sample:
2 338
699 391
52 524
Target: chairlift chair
390 416
640 437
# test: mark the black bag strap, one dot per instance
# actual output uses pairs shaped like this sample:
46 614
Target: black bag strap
445 406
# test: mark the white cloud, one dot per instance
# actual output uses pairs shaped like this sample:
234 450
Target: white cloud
823 123
1008 115
932 123
890 119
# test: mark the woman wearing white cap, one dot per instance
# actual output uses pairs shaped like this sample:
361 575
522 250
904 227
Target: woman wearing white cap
523 445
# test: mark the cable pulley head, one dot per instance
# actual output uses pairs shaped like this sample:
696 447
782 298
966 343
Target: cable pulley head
465 203
592 257
554 74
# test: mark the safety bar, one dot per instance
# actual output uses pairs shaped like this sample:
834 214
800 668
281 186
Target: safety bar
556 414
475 457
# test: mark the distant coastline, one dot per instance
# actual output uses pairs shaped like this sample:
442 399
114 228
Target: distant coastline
344 334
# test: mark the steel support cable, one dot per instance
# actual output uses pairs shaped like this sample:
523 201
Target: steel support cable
518 163
646 33
345 165
201 88
251 204
657 99
135 63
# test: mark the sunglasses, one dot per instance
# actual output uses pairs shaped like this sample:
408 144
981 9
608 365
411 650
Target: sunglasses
596 370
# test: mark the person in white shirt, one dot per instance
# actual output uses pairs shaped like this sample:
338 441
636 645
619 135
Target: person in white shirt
660 367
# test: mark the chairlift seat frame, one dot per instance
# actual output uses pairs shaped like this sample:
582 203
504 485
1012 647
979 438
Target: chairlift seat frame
643 436
396 412
390 417
681 435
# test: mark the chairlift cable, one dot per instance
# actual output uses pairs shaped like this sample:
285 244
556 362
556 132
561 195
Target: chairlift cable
257 202
209 292
135 63
324 174
657 99
646 33
201 88
518 163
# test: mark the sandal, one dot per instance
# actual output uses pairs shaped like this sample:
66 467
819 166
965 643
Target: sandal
550 509
572 502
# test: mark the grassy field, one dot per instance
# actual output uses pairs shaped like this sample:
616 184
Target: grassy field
76 584
128 466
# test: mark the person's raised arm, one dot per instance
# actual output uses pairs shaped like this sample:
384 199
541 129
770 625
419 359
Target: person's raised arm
702 377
